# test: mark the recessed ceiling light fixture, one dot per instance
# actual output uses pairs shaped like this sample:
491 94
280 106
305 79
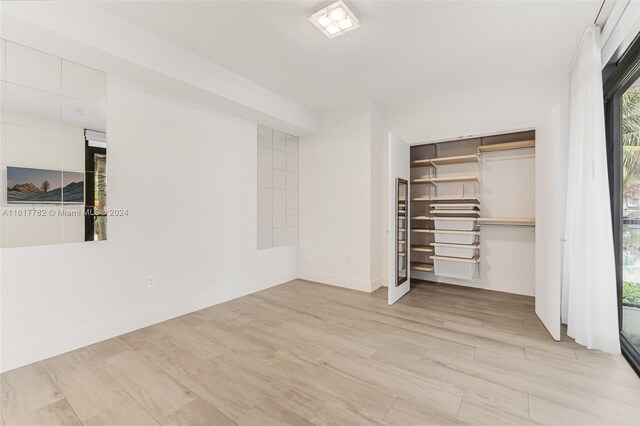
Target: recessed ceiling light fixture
335 20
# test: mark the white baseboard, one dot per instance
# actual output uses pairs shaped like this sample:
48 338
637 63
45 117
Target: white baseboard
376 284
338 281
22 355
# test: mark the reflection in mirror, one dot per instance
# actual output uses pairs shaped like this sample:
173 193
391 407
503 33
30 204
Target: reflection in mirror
402 211
84 115
53 113
96 181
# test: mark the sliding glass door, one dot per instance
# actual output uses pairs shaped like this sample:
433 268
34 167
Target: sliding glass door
630 191
622 103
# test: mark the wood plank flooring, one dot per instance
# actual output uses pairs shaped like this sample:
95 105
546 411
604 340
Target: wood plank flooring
304 353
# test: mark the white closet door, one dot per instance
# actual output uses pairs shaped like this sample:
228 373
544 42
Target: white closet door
550 189
398 163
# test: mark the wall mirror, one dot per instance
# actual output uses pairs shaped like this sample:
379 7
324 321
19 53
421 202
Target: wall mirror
402 235
53 149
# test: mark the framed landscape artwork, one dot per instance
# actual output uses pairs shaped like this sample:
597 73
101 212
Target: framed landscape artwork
39 186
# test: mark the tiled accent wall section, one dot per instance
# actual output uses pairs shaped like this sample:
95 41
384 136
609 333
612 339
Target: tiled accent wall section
277 188
47 103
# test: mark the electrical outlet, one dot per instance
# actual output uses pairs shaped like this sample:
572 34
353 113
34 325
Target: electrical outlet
151 281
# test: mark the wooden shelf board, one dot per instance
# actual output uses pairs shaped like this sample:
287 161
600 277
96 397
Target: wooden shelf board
421 218
454 179
421 163
424 267
456 259
454 198
445 198
460 159
508 220
422 230
475 219
452 245
422 181
444 231
421 248
456 211
463 205
507 146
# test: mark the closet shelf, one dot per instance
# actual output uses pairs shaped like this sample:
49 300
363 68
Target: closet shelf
422 181
424 267
522 221
466 219
454 198
456 211
445 231
421 218
460 159
454 179
421 248
421 163
445 198
460 206
453 245
456 259
508 146
422 230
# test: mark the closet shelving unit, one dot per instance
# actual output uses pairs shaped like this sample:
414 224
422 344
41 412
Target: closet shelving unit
446 219
421 186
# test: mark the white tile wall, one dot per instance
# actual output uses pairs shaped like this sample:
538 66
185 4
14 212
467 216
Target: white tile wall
265 156
279 160
277 188
265 198
279 237
279 141
279 198
265 238
279 217
292 217
265 217
265 176
279 179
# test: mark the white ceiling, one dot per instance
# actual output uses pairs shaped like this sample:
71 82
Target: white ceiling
405 50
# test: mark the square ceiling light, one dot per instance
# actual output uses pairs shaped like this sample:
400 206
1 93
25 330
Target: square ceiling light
335 20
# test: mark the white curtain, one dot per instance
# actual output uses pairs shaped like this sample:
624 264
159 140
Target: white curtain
589 302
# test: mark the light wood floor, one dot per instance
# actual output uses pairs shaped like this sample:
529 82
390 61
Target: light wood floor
304 353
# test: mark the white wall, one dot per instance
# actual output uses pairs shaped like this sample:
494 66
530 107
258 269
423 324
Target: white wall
482 111
187 176
336 200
